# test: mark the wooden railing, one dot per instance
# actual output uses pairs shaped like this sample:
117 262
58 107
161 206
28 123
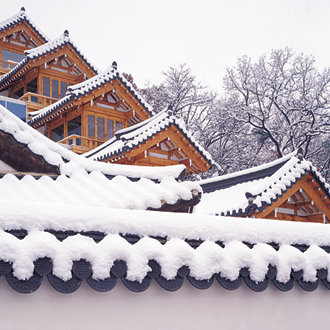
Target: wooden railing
82 142
7 65
37 98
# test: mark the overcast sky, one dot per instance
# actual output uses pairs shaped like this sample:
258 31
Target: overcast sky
146 37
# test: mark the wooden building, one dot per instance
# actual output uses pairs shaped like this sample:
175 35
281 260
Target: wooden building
289 188
43 75
72 103
104 109
160 140
18 34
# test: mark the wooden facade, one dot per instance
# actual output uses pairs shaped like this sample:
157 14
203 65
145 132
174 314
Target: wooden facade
305 201
16 39
49 72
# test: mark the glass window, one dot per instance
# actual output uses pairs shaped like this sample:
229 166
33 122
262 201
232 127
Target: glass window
32 86
9 56
45 86
91 126
109 128
2 103
58 133
74 126
100 128
55 89
119 125
19 93
64 86
17 109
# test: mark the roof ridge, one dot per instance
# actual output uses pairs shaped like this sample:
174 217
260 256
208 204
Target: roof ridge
21 16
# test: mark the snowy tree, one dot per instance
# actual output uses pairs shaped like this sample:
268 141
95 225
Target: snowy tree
189 98
284 102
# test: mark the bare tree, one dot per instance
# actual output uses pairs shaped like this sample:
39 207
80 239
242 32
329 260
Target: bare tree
285 102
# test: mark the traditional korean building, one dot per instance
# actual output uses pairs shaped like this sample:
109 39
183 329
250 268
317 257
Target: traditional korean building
34 168
68 100
18 34
289 188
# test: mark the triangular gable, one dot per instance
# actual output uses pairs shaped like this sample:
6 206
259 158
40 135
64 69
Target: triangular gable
20 22
158 141
47 53
289 188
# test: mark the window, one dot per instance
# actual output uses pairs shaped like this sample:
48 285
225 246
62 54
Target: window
45 86
74 126
64 86
55 89
9 56
119 125
91 126
58 133
32 87
100 128
19 93
109 128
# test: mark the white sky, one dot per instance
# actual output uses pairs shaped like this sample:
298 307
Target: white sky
145 37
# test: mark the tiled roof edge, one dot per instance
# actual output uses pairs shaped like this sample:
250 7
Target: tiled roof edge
83 270
20 17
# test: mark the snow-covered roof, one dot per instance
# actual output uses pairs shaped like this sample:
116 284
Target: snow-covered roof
22 17
67 161
44 49
243 192
86 87
70 244
132 137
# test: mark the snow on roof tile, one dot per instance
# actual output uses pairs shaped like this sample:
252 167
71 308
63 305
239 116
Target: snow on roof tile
228 194
163 249
96 190
69 162
45 49
131 137
21 17
87 86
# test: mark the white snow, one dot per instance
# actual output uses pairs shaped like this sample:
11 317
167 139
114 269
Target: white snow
96 190
208 259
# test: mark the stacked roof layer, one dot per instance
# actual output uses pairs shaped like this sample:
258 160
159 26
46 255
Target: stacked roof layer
243 192
22 17
44 49
132 137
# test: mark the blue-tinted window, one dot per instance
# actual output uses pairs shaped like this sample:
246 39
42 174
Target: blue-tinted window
9 56
18 109
91 126
58 133
46 86
2 103
74 126
63 88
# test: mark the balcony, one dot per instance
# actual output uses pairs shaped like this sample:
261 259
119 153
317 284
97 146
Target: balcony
36 101
81 144
6 66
